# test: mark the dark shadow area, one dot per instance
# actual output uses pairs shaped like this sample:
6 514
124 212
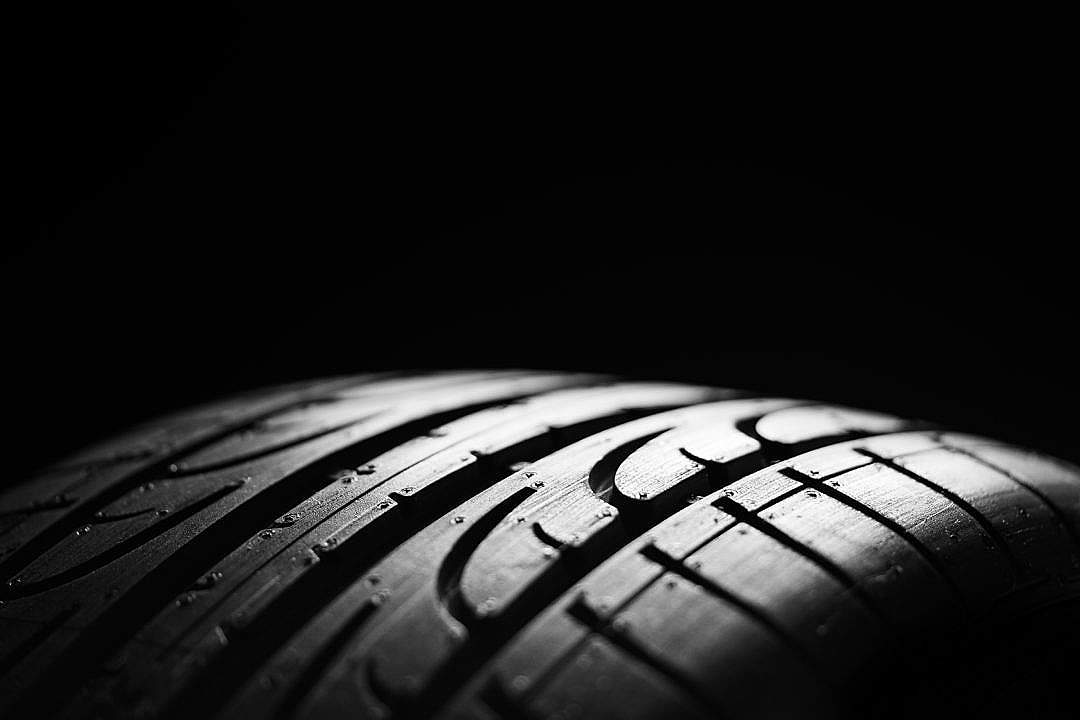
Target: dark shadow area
228 198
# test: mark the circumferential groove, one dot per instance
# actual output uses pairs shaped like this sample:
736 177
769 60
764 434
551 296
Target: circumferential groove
449 575
192 560
287 613
602 474
315 626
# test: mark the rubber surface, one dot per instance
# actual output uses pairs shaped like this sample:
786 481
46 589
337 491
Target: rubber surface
518 544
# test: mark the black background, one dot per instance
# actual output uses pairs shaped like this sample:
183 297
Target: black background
228 198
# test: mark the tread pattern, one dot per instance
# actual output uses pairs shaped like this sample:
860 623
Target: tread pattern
518 543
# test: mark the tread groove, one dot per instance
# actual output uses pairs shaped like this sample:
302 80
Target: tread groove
286 613
120 549
322 660
602 474
449 574
676 567
366 546
839 574
191 560
984 523
1050 505
604 628
924 552
486 640
84 515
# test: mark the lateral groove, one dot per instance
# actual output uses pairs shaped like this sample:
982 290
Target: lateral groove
839 574
605 628
967 507
924 552
1050 505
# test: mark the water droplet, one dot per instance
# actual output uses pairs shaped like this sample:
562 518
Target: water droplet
383 505
287 519
366 470
1022 512
266 533
670 584
518 466
174 468
822 630
345 480
642 495
519 683
548 552
185 599
147 487
163 512
15 582
326 545
607 512
811 493
520 519
457 520
373 580
98 515
729 493
742 530
207 581
691 499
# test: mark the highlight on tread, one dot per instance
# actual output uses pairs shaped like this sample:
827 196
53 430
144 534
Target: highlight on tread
517 544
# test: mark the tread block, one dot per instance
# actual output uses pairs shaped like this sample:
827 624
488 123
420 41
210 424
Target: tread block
514 543
276 482
722 651
691 528
1022 519
970 559
798 426
859 555
688 459
411 568
914 598
1055 482
816 610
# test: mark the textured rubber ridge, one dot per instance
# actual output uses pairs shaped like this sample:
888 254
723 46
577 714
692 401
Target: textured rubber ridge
515 544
